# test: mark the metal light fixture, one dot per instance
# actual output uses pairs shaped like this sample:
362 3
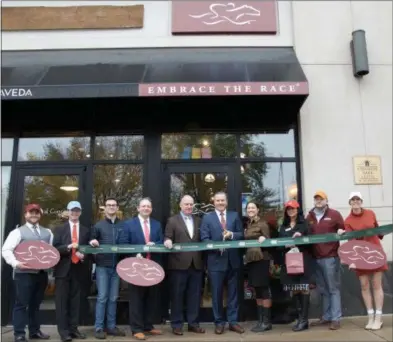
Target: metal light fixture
69 185
209 178
358 48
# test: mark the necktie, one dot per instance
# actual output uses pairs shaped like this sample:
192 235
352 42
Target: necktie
189 226
35 230
147 235
223 222
74 238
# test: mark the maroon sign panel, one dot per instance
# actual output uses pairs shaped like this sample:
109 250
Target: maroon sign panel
140 272
256 16
37 255
364 255
231 88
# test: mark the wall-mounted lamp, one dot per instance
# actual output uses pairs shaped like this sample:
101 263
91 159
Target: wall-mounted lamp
358 47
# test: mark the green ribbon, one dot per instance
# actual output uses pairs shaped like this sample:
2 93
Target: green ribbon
211 245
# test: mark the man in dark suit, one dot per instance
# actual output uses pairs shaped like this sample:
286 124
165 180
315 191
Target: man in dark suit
143 230
223 265
70 272
186 269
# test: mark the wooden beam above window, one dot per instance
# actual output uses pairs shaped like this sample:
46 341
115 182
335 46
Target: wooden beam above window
71 18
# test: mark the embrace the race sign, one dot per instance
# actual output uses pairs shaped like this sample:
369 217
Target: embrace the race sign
140 271
37 255
364 255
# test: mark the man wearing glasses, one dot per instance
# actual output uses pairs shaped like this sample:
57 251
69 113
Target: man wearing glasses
109 231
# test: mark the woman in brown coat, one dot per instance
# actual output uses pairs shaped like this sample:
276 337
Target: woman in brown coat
258 264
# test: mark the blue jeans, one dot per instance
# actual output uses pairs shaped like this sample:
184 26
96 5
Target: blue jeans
328 278
108 283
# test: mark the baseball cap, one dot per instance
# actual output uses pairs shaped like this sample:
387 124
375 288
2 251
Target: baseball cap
74 205
32 206
355 194
321 194
292 204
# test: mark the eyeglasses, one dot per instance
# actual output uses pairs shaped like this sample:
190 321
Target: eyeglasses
111 205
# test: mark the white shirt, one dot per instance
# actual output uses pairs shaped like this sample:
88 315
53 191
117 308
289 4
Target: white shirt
13 240
142 221
189 224
219 215
72 228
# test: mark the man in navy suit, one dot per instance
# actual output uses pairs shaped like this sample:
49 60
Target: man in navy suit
223 265
143 230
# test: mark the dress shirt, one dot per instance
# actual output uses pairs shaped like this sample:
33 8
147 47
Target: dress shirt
189 224
13 240
219 215
225 218
142 221
72 228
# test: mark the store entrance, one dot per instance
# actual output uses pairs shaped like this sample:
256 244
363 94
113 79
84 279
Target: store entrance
52 188
201 181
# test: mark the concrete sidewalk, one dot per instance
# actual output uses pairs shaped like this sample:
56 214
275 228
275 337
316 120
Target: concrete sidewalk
352 330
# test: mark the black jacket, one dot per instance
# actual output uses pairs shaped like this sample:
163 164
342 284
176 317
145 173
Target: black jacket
108 233
61 240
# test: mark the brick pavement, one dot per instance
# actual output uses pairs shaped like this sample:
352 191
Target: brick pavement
352 330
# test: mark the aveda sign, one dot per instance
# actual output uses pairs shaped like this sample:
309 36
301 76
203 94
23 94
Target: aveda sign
16 92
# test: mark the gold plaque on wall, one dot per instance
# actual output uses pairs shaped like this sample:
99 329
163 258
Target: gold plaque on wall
367 170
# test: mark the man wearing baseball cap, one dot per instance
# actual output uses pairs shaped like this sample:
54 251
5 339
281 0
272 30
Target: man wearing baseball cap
70 272
30 284
324 220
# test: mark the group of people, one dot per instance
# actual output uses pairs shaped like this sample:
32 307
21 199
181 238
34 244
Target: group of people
186 270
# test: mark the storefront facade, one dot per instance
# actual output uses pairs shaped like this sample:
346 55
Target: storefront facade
166 107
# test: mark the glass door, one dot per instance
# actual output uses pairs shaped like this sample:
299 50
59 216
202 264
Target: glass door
52 188
201 181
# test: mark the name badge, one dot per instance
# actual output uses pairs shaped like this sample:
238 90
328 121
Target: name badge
327 219
288 229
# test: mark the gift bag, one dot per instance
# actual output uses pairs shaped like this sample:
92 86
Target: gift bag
294 262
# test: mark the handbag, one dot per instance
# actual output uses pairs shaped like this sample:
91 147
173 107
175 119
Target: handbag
294 262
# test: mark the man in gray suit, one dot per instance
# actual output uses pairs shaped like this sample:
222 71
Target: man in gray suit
185 269
30 284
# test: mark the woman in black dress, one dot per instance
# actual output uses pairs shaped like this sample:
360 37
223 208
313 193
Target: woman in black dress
258 264
294 225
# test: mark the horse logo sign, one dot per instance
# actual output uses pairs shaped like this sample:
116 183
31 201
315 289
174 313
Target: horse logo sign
224 17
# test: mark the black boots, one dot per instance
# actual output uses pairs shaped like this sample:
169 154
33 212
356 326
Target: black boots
264 320
302 304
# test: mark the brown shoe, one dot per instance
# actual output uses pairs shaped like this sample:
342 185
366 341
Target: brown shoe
320 323
139 336
197 330
236 328
335 325
153 332
177 331
219 330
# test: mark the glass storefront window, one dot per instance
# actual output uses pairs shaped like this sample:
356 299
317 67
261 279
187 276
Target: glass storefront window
198 146
118 147
54 149
5 188
123 182
270 185
267 145
7 147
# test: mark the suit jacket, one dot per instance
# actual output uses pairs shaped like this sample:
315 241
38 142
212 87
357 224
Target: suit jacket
177 231
136 236
61 240
211 230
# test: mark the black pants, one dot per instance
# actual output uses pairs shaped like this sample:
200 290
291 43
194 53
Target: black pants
68 300
186 288
29 293
144 303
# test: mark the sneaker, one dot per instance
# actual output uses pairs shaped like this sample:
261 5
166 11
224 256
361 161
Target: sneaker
116 332
100 334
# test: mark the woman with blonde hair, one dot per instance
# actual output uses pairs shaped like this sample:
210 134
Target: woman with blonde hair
359 219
